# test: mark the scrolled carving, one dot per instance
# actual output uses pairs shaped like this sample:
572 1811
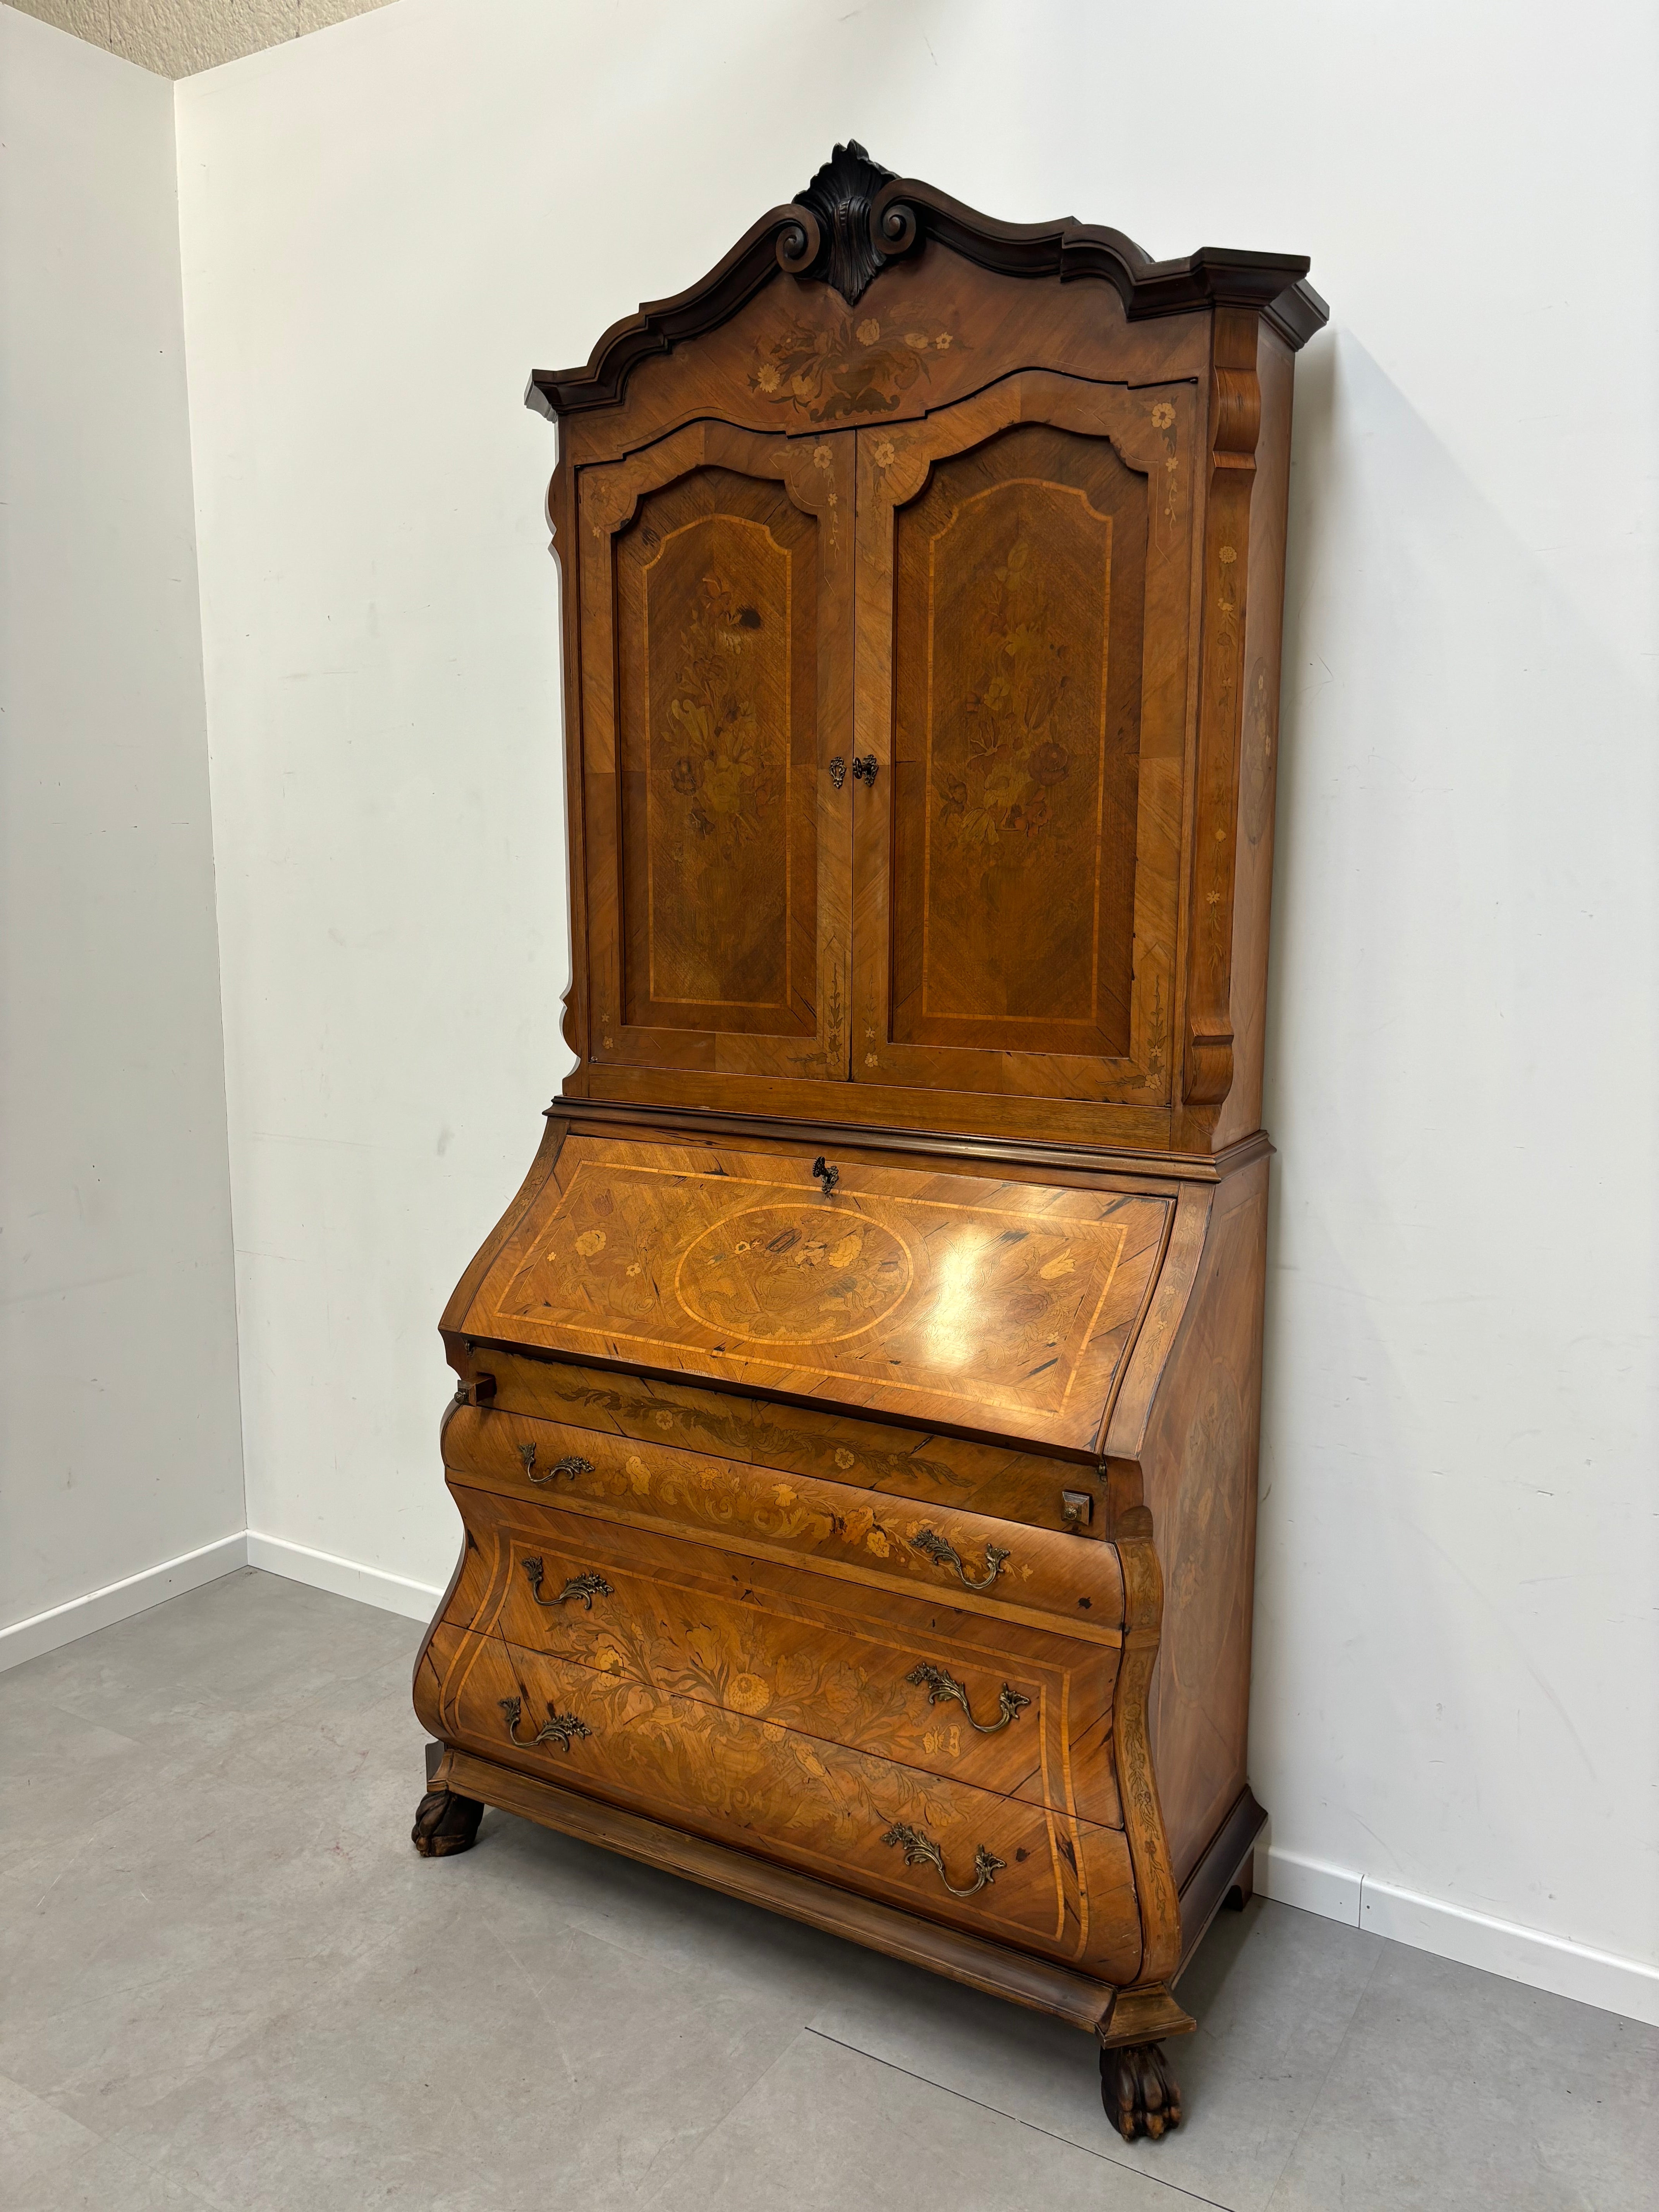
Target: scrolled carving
799 243
837 203
893 229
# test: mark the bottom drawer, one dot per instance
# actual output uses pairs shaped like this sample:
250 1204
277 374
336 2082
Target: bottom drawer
1014 1872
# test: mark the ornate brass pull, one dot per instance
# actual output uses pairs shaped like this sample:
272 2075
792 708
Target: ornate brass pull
922 1850
572 1467
940 1685
587 1587
838 771
864 771
561 1729
947 1555
830 1176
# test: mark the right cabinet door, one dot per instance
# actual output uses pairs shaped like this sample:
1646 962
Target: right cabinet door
1023 587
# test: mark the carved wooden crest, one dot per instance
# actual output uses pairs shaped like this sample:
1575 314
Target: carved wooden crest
839 200
855 218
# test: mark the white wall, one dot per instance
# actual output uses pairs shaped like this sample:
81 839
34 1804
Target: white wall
385 226
118 1420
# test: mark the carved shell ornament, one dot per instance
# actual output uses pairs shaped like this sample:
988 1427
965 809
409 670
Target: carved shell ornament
834 239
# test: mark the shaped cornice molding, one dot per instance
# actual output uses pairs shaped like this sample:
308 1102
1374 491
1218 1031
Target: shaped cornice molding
855 216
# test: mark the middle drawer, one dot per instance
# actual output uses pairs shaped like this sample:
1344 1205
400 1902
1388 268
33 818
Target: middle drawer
1021 1711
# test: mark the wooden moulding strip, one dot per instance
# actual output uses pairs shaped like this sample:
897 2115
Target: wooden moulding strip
646 1118
968 1958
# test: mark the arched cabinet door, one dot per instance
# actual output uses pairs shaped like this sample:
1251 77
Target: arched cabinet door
716 569
1025 581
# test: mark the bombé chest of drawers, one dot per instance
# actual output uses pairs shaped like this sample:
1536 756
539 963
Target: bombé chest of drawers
855 1431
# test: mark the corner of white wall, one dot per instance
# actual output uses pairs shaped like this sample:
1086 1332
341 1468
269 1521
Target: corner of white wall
119 1354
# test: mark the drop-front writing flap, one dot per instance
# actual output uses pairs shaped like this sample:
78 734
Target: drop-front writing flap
1007 1308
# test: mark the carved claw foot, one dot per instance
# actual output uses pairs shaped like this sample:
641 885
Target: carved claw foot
1142 2095
445 1824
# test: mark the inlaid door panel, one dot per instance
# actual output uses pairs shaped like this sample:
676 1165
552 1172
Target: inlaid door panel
1024 589
716 572
1004 1868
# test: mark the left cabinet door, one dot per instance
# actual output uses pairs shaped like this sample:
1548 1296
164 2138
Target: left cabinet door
716 613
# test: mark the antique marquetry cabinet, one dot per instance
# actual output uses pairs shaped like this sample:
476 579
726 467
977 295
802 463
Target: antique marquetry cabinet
855 1438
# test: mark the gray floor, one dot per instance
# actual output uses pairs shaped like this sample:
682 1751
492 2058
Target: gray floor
227 1980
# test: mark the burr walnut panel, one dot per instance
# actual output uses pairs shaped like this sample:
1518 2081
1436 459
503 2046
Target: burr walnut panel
1019 593
715 600
716 680
1024 616
1007 1306
1023 1712
1058 1888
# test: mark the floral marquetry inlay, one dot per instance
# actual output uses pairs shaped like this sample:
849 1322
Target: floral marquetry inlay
854 366
919 1293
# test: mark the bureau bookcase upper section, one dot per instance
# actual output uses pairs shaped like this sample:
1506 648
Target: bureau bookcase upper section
922 588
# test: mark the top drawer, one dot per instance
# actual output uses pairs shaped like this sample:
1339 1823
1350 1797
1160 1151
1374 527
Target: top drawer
816 1440
965 1560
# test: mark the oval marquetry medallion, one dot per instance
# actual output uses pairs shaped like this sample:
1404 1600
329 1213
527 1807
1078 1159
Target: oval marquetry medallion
794 1274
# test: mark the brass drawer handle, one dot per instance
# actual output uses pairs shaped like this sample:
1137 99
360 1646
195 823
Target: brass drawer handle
940 1685
561 1729
572 1467
947 1555
587 1587
922 1850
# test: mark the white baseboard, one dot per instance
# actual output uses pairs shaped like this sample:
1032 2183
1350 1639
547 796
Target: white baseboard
1309 1884
102 1608
324 1571
1523 1955
1566 1969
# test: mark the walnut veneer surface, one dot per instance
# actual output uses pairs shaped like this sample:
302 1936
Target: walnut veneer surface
856 1430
